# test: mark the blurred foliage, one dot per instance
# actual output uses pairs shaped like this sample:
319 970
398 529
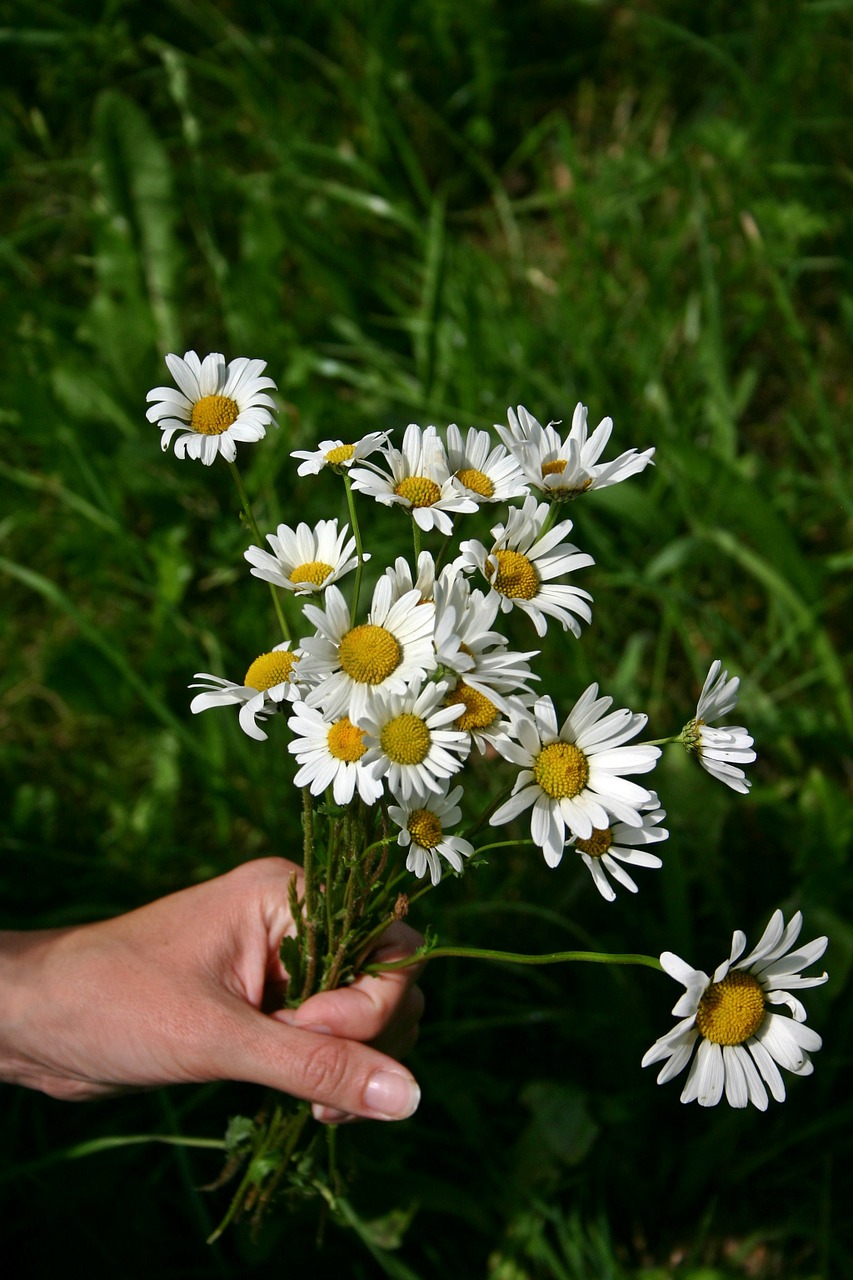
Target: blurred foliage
429 212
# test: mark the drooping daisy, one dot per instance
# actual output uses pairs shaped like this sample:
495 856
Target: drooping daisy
217 405
610 846
338 455
731 1016
563 469
420 481
720 751
485 471
423 826
572 776
331 753
305 560
412 740
270 681
488 720
522 562
350 665
466 645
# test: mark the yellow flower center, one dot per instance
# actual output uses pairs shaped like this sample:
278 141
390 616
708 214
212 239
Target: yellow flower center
369 654
555 468
405 739
477 481
597 844
732 1010
419 490
346 741
270 669
425 828
561 770
214 414
516 576
342 453
479 711
316 571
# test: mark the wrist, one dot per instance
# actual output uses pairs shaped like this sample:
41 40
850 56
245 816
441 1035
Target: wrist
24 960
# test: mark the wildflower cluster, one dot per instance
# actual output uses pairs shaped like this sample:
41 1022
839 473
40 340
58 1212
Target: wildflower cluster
386 704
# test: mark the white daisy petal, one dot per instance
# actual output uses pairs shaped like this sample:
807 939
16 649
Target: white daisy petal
217 405
742 1042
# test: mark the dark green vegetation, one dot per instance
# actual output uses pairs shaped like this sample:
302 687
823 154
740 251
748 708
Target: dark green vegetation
427 212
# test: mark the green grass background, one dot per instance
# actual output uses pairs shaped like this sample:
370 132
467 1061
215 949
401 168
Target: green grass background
427 212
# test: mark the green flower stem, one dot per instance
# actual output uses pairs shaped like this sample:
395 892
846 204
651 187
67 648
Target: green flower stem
550 519
488 811
310 891
514 957
253 525
442 553
416 536
358 544
661 742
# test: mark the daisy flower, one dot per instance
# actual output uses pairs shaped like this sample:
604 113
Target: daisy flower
350 665
522 562
420 481
572 776
305 560
216 405
562 469
270 681
485 471
730 1015
720 751
412 740
338 455
331 753
608 847
423 824
483 717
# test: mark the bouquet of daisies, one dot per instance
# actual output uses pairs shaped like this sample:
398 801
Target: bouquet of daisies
388 698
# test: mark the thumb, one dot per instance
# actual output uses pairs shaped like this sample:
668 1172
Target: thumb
324 1069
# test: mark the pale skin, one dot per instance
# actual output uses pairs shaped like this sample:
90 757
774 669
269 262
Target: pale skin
188 989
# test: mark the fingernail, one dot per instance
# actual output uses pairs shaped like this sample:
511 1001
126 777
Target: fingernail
392 1095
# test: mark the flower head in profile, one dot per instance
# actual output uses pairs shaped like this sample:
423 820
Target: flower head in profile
563 469
424 823
305 560
270 681
350 666
572 775
216 404
484 470
720 751
522 562
337 454
609 849
741 1041
420 481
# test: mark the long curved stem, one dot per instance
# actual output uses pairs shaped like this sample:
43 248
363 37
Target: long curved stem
515 957
358 545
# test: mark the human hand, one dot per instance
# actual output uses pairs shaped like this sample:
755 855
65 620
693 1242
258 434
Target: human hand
188 989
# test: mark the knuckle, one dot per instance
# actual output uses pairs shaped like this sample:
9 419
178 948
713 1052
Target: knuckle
325 1070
